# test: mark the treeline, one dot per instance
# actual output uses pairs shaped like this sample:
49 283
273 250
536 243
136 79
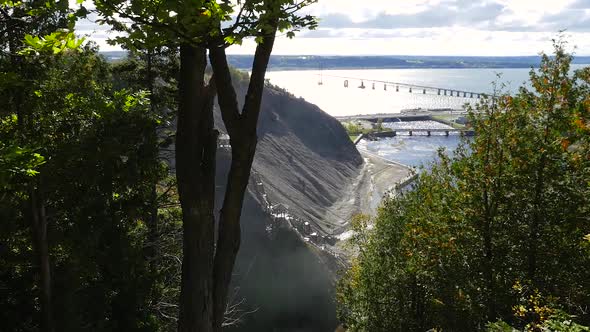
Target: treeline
496 235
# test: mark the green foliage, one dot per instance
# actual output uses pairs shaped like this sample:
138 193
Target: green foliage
85 137
358 129
508 206
171 23
55 43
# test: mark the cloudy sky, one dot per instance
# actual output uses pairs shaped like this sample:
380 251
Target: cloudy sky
432 27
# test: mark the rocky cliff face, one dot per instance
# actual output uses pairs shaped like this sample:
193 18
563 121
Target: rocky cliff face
305 161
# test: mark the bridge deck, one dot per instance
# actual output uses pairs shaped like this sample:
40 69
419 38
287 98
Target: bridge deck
394 132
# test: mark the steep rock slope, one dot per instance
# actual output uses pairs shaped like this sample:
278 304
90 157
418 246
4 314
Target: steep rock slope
283 281
304 157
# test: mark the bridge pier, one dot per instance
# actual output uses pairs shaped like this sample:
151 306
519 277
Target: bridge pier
424 91
384 87
373 85
346 83
410 132
439 92
428 133
446 132
397 89
410 90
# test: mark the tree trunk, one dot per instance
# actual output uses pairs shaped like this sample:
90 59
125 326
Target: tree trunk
489 268
41 245
535 224
196 144
241 128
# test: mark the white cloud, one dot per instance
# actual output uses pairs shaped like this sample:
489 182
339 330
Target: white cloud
431 27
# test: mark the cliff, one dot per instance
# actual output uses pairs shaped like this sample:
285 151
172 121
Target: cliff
304 163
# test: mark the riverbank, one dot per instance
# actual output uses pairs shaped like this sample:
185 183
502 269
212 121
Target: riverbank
378 177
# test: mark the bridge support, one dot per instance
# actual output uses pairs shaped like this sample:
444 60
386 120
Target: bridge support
439 92
410 132
346 83
446 132
424 91
410 90
397 89
428 133
373 85
384 87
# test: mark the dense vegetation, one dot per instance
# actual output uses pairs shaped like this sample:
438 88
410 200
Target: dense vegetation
496 234
90 229
81 176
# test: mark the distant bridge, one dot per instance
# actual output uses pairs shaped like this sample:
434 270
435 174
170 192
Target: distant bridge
412 131
408 115
428 131
401 87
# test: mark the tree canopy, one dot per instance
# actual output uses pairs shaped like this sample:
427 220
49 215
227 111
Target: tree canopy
495 230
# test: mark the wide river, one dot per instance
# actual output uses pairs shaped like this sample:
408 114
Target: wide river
332 97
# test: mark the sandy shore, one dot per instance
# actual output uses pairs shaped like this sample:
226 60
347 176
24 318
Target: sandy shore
377 177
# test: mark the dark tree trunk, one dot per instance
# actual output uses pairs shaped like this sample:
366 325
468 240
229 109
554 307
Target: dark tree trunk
41 245
535 224
153 222
196 144
241 128
207 265
489 268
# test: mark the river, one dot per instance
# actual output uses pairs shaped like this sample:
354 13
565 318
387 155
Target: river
332 97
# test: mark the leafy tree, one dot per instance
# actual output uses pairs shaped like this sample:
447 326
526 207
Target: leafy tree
79 163
509 206
198 28
38 24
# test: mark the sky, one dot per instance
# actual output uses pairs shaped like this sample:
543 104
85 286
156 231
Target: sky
427 27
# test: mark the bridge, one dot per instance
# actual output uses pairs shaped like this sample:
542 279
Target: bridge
395 95
428 131
401 87
406 115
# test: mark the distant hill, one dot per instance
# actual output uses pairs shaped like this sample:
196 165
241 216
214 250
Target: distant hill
279 62
302 62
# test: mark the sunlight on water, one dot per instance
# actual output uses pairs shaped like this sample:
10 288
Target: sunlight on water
336 100
332 97
410 150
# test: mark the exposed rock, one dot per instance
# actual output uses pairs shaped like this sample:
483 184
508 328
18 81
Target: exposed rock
304 164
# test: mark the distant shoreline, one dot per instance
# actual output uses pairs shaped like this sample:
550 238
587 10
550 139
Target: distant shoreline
314 62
